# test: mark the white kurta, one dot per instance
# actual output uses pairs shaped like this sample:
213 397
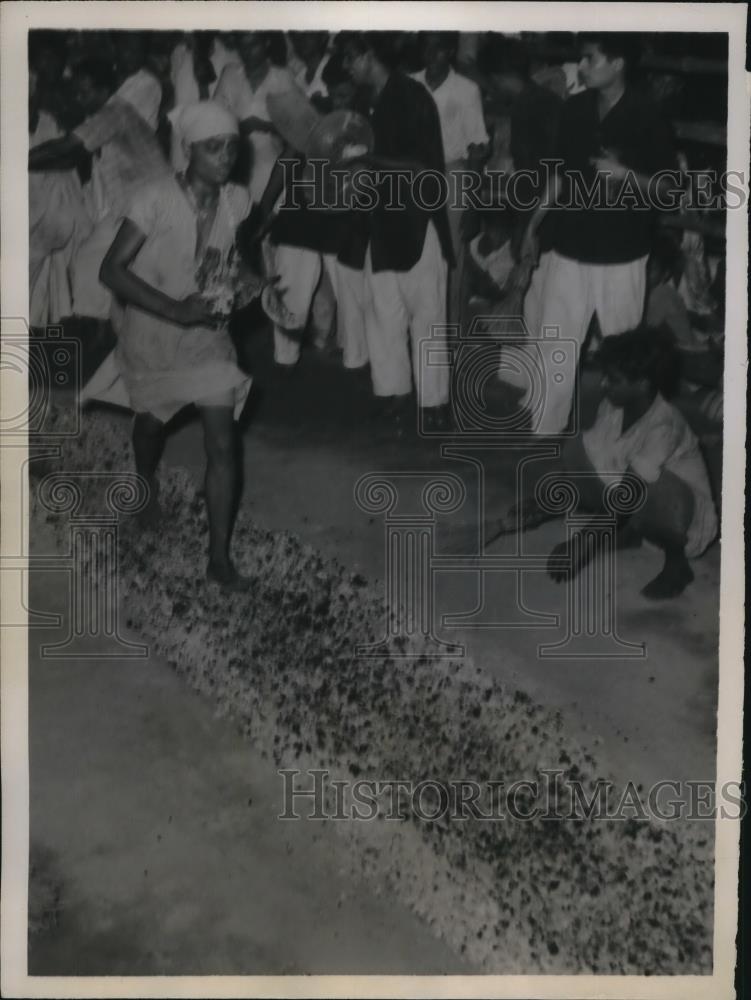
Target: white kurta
159 367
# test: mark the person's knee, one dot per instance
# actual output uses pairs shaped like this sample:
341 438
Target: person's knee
576 465
668 510
220 449
219 438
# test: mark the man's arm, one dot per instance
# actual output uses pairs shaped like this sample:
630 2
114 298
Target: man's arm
57 154
115 273
656 157
255 124
529 245
617 172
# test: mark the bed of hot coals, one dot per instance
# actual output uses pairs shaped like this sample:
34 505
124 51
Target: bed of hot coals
600 896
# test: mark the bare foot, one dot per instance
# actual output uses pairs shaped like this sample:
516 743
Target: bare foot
227 577
671 581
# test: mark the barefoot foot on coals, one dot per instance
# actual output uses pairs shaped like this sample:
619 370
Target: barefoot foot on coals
226 576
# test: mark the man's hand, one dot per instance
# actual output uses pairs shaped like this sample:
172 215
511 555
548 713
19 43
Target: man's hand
518 280
195 310
255 124
610 165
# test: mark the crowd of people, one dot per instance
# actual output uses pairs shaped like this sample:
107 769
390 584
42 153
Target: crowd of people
163 200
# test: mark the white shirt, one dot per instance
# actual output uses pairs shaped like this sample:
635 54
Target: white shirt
498 264
220 58
143 91
316 85
660 440
183 76
460 110
236 94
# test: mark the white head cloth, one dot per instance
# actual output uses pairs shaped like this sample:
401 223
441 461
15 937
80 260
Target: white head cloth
204 120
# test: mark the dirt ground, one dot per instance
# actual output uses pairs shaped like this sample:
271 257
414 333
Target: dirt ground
162 820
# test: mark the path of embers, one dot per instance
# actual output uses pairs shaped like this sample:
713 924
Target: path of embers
562 896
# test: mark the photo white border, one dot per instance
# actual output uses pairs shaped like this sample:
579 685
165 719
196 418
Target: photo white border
15 19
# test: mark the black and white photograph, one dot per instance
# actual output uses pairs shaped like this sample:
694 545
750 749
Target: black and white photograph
373 455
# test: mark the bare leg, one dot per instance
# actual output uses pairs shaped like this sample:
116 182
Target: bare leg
664 520
220 486
148 445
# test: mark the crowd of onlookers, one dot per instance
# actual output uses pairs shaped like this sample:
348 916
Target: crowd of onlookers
107 120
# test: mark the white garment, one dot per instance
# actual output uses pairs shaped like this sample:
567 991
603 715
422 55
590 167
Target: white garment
299 271
573 83
660 441
460 110
164 366
90 296
143 91
316 85
236 94
221 57
498 264
349 290
58 222
301 279
186 92
183 76
563 296
403 309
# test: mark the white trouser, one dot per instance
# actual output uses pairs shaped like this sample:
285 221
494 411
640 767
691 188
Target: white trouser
563 297
349 291
404 306
300 274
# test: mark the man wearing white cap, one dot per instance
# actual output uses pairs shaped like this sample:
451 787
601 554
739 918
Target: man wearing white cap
174 265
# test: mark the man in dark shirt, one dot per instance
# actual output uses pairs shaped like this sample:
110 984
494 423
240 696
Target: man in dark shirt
613 146
406 246
534 114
